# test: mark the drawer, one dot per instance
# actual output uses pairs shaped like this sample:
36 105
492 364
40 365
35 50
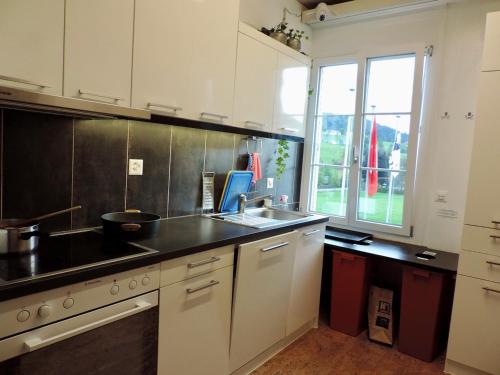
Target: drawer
481 240
482 266
193 265
475 333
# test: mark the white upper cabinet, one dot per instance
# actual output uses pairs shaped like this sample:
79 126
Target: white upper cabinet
491 52
185 56
214 27
31 44
483 205
98 50
291 96
162 51
255 84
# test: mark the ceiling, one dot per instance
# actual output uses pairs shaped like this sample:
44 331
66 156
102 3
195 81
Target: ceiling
312 3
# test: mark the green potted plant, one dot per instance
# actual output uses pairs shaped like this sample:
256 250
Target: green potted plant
279 32
282 156
295 39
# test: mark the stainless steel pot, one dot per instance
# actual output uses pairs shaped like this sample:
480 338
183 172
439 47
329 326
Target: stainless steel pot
18 240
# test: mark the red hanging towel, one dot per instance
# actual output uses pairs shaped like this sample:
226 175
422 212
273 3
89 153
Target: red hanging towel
255 167
372 161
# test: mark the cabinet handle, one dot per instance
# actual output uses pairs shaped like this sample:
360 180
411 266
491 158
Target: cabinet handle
197 289
491 290
24 81
496 222
173 109
254 124
492 263
291 130
203 262
494 237
89 93
311 232
221 118
274 247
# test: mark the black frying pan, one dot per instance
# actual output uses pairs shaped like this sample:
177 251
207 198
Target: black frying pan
130 225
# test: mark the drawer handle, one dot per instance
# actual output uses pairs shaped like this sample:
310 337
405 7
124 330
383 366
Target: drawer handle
290 130
254 124
221 118
494 237
203 262
274 247
172 108
491 290
197 289
496 222
492 263
89 93
311 232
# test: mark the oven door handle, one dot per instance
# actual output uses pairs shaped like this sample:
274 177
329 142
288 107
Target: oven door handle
36 343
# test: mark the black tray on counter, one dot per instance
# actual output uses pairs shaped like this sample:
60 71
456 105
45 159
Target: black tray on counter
345 235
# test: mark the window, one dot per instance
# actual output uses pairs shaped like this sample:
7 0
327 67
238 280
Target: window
365 141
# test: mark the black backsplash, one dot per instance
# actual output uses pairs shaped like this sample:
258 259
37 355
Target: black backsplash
51 162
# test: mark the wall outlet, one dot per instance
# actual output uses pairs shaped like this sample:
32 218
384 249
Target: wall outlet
270 183
135 167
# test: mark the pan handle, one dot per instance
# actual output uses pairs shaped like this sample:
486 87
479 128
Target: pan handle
130 227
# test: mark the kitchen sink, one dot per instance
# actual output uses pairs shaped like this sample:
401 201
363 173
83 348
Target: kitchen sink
261 217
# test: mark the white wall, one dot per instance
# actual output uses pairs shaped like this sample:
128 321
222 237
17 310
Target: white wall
457 33
268 13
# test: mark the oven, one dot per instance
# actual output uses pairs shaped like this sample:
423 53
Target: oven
102 326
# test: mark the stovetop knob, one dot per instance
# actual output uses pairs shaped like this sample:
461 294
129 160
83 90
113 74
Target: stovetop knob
23 315
44 311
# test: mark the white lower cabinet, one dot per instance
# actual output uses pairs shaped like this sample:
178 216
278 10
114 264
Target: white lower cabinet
306 280
261 295
195 320
475 333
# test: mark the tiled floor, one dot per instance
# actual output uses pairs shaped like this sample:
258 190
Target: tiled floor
324 351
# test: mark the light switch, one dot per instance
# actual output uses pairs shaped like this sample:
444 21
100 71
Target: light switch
270 183
135 167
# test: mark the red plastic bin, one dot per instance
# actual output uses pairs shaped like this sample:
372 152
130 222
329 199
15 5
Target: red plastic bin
423 313
350 281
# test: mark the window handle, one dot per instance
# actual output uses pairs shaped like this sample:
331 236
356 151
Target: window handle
355 154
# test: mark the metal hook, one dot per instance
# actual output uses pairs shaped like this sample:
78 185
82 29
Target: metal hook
446 116
469 116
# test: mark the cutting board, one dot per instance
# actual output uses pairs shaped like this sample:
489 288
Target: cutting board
237 182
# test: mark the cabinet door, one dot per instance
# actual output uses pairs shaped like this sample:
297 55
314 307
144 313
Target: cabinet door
262 288
306 278
162 55
255 84
98 50
483 205
475 334
491 52
31 41
212 73
195 320
291 96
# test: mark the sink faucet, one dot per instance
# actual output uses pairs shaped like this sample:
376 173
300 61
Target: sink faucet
243 201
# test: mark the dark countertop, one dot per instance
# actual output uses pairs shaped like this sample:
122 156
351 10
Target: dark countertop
399 252
178 237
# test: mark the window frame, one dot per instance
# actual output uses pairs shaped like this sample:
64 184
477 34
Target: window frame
361 59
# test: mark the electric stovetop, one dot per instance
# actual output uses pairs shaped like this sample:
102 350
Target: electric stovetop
66 252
